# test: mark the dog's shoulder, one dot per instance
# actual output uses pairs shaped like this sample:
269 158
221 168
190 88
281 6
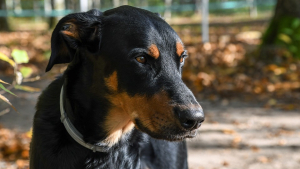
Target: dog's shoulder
50 96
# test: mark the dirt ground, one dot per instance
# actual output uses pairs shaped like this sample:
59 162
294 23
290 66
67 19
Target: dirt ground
234 135
246 136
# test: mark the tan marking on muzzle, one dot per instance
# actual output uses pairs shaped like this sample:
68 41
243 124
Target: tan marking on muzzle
154 113
112 81
153 51
117 123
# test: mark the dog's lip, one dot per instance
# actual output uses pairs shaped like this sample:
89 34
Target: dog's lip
192 134
178 135
189 134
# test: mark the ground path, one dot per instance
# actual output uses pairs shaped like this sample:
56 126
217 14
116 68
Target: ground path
246 137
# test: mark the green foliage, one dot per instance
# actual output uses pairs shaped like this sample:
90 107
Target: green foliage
20 56
26 71
47 54
287 34
2 87
4 98
12 63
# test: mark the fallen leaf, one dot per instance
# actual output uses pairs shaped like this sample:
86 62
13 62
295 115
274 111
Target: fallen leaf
1 81
228 131
6 59
27 88
29 133
20 56
282 142
255 149
8 102
263 159
225 163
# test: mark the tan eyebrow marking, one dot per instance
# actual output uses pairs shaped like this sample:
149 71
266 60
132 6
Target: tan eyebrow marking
179 48
153 51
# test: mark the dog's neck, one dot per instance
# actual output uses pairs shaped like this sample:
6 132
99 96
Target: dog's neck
93 115
73 132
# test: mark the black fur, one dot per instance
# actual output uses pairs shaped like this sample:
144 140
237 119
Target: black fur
104 43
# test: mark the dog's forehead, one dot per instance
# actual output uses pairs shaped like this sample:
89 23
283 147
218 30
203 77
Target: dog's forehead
139 26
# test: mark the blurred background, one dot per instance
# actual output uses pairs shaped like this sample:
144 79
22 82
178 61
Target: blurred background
243 67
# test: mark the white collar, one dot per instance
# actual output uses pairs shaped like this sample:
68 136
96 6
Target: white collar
74 133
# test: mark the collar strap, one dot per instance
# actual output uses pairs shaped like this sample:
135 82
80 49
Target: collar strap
74 133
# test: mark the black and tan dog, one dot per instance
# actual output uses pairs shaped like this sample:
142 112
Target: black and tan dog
121 100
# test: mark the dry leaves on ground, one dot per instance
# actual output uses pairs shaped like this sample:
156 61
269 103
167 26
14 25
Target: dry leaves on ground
14 149
220 70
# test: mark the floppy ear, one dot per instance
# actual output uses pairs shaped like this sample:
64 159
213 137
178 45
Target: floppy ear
72 32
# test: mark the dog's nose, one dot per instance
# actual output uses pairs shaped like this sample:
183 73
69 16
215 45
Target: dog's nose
190 119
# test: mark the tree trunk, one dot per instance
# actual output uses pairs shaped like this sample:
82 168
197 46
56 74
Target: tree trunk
284 29
287 8
96 4
73 5
68 4
168 12
51 21
3 20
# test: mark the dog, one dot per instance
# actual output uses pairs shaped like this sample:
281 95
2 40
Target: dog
121 103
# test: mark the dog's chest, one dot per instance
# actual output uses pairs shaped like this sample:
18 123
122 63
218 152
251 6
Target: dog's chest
121 158
127 154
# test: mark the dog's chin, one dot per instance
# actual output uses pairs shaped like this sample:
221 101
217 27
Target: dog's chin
180 137
172 135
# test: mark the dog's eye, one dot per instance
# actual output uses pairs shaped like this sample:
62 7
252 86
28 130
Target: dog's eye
141 59
66 27
182 58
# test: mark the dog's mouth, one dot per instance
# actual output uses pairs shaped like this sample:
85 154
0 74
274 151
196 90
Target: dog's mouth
192 134
180 137
167 133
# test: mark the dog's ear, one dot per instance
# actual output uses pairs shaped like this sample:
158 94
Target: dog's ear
158 14
72 32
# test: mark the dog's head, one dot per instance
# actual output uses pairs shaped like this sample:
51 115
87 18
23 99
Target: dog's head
136 60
